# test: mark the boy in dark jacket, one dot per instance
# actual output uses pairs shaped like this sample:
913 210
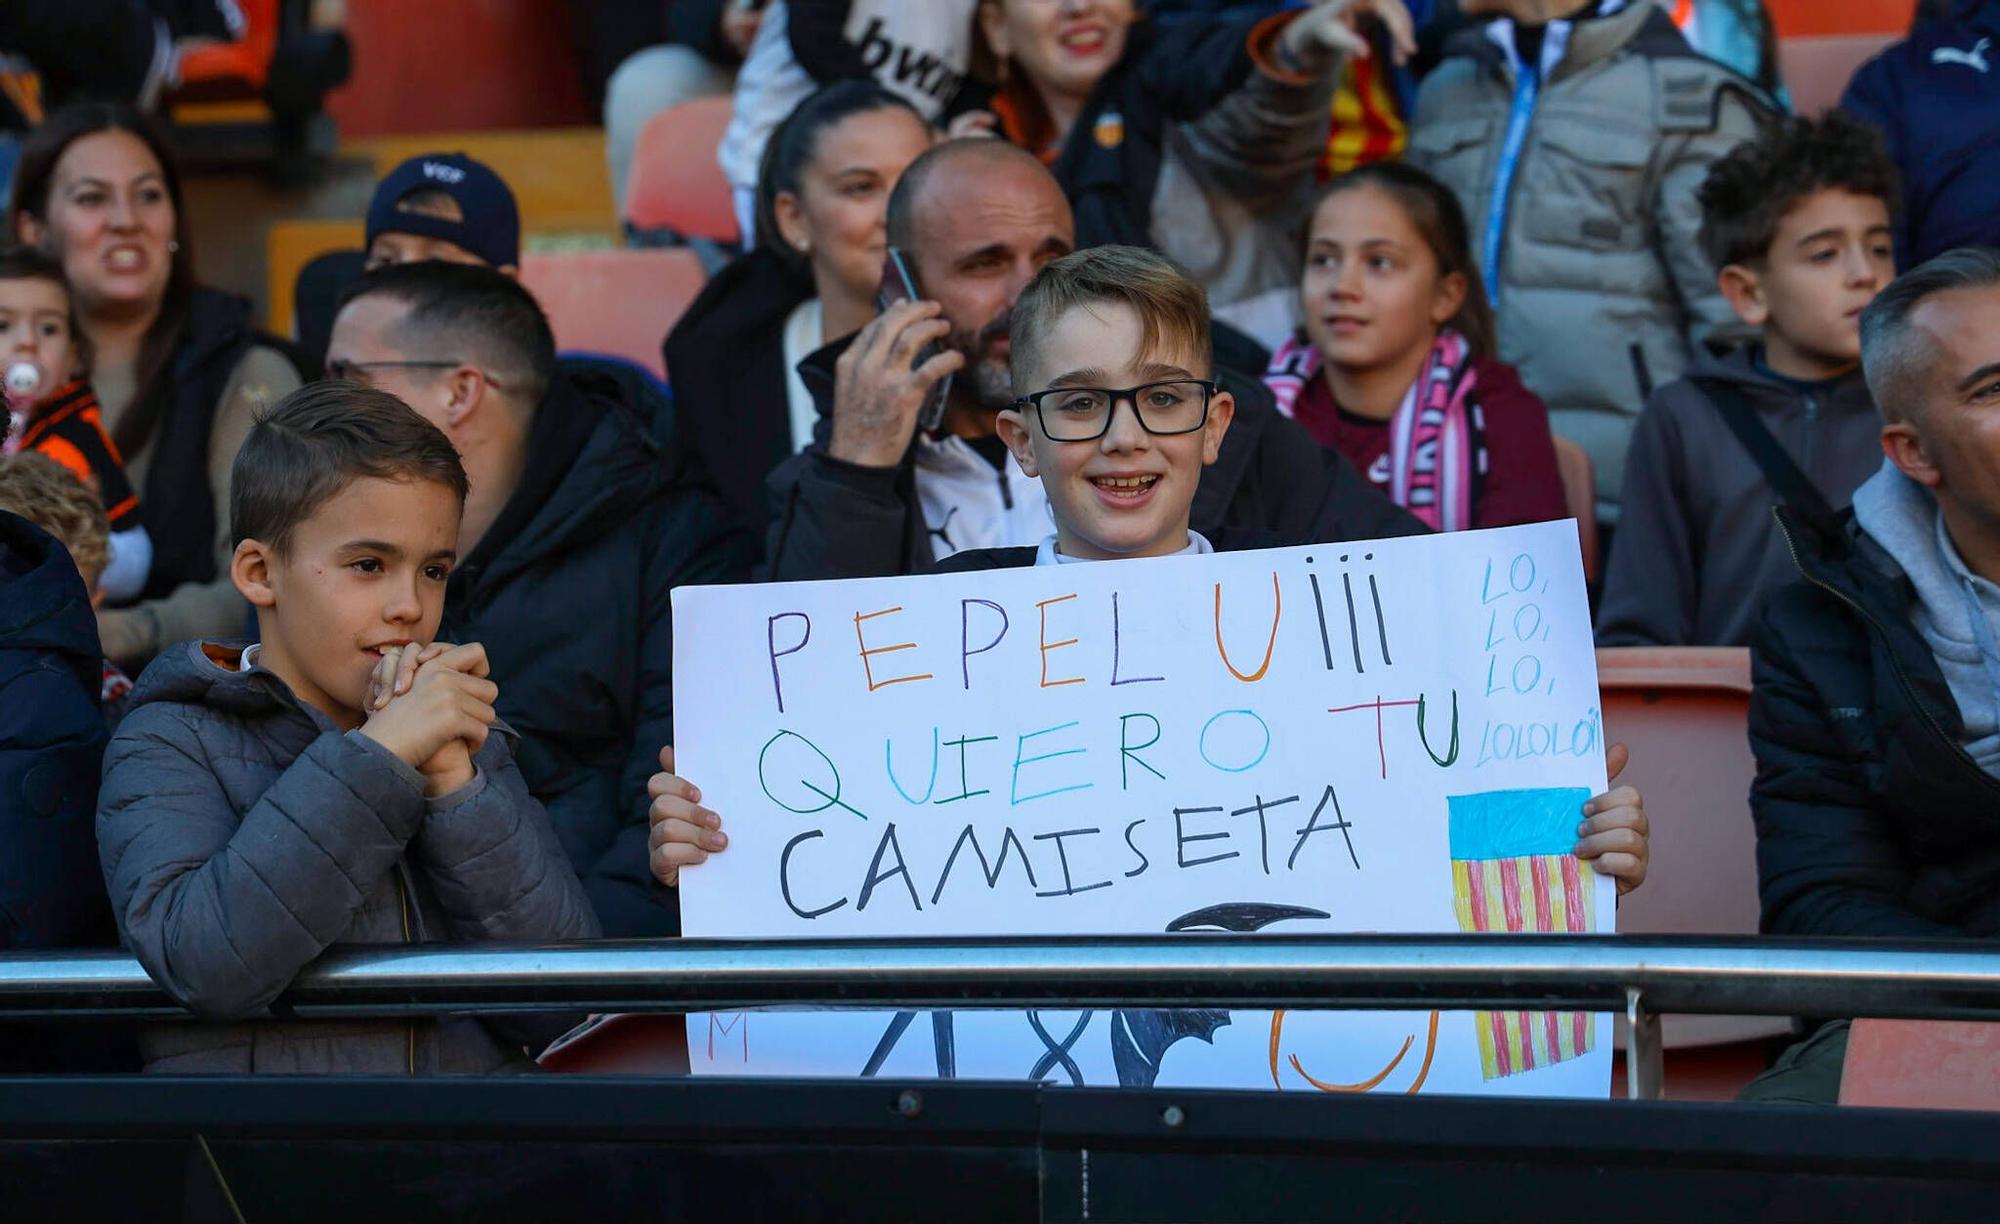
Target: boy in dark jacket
263 804
1797 224
1876 714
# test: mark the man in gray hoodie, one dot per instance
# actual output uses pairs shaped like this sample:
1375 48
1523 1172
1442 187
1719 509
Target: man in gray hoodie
261 804
1875 718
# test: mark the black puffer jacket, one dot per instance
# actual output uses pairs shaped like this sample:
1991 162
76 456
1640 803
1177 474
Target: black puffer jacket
51 746
570 594
1872 820
726 357
841 520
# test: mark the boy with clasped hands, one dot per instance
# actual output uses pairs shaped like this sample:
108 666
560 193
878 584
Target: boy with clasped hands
343 781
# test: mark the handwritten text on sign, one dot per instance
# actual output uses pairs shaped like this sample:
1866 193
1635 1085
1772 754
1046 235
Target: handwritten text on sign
1385 736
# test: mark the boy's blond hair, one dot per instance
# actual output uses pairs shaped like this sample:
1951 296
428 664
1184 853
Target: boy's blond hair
1172 307
48 495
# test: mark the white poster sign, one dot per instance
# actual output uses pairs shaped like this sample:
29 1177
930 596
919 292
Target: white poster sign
1396 735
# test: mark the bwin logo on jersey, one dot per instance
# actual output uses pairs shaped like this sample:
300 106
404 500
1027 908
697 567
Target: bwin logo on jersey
443 173
1975 58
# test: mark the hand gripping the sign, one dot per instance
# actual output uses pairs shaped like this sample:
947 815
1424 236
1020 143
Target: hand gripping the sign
684 833
1613 840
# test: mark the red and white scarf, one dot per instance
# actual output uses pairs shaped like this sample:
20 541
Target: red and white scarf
1436 452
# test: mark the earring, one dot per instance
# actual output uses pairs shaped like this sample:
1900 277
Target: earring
173 246
804 245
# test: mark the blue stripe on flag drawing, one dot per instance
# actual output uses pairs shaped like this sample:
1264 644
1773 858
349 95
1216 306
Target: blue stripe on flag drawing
1516 823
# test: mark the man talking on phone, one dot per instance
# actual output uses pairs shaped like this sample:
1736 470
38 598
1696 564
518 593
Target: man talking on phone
875 494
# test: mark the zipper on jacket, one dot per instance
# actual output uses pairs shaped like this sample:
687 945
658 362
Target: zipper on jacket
1642 374
1527 91
1812 431
1902 675
403 902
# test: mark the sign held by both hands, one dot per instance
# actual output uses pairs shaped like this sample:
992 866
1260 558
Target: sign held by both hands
1396 735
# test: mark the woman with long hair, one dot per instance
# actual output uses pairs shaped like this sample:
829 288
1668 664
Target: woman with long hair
178 369
822 202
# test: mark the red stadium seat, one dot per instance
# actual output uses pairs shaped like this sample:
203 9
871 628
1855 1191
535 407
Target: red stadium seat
638 1044
676 184
1816 69
233 70
1684 713
615 303
1922 1064
1580 495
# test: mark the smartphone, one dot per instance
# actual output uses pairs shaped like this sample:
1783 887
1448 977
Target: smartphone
900 285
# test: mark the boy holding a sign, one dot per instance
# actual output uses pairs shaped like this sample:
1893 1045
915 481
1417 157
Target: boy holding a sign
1096 333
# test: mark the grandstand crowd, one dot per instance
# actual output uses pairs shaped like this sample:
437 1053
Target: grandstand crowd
364 634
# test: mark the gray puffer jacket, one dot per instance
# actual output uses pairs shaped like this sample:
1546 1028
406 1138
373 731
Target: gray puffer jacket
242 834
1603 286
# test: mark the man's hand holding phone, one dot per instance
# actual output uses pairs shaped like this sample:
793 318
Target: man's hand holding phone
883 382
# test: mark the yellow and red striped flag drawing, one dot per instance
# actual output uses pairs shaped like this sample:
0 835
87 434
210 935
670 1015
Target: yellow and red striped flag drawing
1512 870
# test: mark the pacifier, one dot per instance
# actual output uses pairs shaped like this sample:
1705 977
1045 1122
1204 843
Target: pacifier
23 380
21 383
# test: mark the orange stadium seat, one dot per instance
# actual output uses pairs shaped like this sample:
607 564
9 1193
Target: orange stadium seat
1922 1064
676 184
637 1044
1684 713
233 70
1580 495
614 303
1817 68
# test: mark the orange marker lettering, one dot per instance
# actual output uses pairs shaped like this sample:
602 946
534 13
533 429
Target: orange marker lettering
1270 647
867 651
1047 645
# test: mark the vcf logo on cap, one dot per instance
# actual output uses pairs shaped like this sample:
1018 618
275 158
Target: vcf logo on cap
443 173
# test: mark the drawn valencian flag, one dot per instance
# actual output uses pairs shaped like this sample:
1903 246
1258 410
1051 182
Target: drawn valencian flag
1512 870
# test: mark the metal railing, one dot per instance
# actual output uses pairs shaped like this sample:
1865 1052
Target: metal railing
1641 976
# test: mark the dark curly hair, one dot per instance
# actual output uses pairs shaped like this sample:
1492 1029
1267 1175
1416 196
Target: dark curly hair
1749 191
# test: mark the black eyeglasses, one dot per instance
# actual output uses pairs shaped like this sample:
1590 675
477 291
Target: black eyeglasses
345 370
1083 414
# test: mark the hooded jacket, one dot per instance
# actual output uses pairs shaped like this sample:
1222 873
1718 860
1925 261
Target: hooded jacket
727 359
1872 818
1936 99
243 834
569 591
51 745
1589 209
834 519
1696 548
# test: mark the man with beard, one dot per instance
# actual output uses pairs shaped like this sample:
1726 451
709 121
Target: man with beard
875 495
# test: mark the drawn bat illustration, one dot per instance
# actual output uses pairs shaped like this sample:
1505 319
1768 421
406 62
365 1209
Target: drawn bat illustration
1240 916
1140 1038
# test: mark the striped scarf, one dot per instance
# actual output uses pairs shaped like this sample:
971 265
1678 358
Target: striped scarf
1436 450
